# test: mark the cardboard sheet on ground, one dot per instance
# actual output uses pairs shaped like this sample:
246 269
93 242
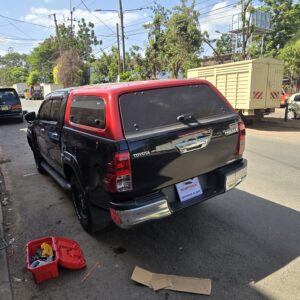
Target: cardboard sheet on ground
172 282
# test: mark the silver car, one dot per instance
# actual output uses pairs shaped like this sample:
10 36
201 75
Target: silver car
294 106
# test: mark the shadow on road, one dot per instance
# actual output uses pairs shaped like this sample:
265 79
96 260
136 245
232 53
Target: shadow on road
235 239
276 124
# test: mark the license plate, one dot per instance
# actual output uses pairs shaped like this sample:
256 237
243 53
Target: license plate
189 189
4 107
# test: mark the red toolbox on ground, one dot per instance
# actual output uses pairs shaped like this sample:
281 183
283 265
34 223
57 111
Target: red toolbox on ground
67 253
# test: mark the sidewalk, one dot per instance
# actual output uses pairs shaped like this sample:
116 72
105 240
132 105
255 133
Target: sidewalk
5 287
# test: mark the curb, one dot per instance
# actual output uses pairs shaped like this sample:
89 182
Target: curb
5 286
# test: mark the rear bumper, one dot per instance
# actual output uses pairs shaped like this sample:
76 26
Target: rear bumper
15 115
158 206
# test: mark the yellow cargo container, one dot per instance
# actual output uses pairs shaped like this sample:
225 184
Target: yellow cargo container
251 86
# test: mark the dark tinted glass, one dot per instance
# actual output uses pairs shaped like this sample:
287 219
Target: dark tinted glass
44 113
297 98
55 109
161 107
9 97
88 110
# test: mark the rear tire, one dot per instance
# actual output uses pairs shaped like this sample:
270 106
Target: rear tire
91 218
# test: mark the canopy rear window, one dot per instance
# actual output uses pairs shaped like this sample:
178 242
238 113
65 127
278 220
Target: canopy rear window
156 108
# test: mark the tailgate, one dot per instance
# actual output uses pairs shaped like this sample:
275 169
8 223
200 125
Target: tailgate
166 149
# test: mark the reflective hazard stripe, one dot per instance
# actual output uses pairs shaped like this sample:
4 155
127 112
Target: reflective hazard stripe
258 95
275 95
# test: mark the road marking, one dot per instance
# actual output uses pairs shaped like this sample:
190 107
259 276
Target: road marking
30 174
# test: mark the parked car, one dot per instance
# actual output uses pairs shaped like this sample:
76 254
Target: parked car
33 94
294 106
10 105
139 151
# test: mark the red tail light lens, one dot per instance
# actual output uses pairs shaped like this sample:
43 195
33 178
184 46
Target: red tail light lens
118 177
240 148
16 107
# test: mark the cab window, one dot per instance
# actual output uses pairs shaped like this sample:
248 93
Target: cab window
44 112
55 109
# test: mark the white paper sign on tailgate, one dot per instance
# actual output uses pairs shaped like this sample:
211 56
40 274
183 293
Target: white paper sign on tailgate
189 189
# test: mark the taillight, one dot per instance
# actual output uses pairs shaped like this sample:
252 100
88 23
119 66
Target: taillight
240 148
118 177
16 107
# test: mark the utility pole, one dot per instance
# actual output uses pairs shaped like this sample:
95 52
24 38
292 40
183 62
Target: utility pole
118 44
57 33
122 33
121 16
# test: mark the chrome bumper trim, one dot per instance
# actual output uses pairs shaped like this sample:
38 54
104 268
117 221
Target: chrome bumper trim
153 211
235 177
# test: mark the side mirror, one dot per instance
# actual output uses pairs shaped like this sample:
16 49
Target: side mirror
30 117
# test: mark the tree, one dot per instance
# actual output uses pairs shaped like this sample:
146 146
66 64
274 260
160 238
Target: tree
224 44
285 19
183 38
43 58
33 78
83 40
155 50
13 68
290 54
69 69
140 66
106 67
247 27
19 74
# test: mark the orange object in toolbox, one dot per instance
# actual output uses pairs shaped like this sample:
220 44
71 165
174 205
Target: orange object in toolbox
67 254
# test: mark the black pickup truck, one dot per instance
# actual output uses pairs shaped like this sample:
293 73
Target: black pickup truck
139 151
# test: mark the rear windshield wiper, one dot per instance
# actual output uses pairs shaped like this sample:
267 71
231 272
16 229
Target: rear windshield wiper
186 117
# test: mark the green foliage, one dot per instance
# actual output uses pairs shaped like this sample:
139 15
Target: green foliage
156 47
43 58
13 68
224 44
13 59
127 76
82 41
106 67
285 18
33 78
290 54
183 38
19 74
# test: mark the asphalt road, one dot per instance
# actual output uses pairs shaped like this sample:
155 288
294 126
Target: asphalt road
247 241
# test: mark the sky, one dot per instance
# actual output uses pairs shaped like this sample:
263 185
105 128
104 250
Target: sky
16 34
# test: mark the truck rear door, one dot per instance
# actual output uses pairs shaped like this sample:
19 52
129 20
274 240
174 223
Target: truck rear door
177 133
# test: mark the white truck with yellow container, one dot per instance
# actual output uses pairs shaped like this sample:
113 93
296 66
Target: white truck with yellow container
251 86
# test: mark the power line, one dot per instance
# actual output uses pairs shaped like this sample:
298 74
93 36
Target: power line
209 13
21 21
213 10
97 17
17 38
19 29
